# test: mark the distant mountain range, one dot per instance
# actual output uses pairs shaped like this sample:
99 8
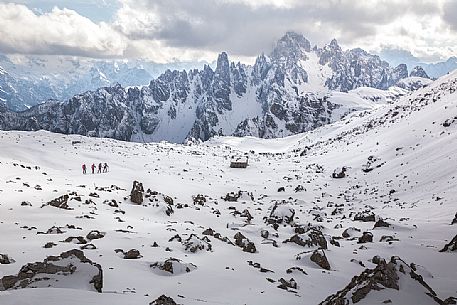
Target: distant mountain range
295 88
434 70
26 81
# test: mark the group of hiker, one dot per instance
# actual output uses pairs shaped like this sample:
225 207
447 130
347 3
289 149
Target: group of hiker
102 168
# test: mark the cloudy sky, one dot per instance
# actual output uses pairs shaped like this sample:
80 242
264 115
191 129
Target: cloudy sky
167 30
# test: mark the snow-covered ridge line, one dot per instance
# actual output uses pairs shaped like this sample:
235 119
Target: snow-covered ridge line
294 89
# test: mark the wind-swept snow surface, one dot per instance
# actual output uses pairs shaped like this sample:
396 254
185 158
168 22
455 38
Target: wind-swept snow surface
281 231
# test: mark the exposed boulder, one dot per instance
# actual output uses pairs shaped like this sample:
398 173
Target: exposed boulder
312 239
60 202
49 245
75 240
136 195
372 163
451 246
350 232
388 239
209 231
199 199
395 275
240 195
365 216
313 258
53 230
161 201
88 247
172 266
281 213
454 221
130 254
95 234
381 224
367 237
244 243
286 285
163 300
52 271
5 259
339 173
194 243
320 259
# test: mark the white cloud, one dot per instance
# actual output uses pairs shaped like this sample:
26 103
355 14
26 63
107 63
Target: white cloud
164 30
60 31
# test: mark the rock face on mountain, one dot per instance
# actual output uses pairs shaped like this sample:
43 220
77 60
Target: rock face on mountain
25 85
18 94
285 93
418 71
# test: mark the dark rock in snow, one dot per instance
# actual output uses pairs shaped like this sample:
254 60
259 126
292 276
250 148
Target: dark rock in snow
194 243
163 300
451 246
320 259
173 266
244 243
5 259
366 216
60 202
136 195
76 240
281 213
130 254
366 237
339 173
48 273
199 199
88 247
381 224
49 245
208 231
384 276
95 234
286 285
311 239
349 232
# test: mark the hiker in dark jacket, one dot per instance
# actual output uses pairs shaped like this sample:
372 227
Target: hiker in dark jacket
93 168
105 167
99 168
84 169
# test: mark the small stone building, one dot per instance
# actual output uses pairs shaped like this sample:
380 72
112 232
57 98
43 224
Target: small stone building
239 162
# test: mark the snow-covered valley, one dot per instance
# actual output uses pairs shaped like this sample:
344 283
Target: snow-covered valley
281 231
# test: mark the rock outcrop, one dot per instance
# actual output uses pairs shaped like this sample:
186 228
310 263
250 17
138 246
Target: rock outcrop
51 272
386 275
244 243
136 195
451 246
172 266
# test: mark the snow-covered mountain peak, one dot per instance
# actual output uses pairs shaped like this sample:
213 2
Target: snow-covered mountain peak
291 48
418 71
284 93
334 44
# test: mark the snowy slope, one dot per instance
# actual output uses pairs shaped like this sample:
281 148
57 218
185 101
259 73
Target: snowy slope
411 186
